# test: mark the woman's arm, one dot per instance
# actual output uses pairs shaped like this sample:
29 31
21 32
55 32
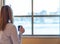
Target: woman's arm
14 36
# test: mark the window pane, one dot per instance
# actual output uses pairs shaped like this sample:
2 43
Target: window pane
20 7
46 25
25 22
46 7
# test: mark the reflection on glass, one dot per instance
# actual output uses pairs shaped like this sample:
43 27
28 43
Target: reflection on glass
46 7
46 26
25 22
20 7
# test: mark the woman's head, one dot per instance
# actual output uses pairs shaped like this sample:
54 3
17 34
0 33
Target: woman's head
6 15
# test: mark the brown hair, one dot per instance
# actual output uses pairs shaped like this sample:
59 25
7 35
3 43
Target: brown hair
6 15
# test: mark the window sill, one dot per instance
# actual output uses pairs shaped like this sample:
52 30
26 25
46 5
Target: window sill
40 36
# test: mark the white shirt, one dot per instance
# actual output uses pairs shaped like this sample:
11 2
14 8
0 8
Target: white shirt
9 35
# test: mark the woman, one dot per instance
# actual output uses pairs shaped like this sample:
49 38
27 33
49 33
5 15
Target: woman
8 33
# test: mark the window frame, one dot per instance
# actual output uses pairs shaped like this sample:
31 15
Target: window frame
37 16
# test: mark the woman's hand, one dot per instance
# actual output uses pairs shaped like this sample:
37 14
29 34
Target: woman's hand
22 30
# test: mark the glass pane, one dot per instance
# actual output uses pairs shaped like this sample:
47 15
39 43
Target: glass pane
46 7
25 22
20 7
46 25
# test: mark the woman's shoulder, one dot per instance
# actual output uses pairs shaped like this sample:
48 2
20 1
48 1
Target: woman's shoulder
10 25
9 29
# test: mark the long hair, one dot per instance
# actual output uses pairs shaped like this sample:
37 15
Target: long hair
6 16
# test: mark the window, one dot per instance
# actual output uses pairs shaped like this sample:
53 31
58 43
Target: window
25 22
46 7
46 25
38 17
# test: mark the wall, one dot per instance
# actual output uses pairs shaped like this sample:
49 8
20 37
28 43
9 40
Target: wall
1 3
